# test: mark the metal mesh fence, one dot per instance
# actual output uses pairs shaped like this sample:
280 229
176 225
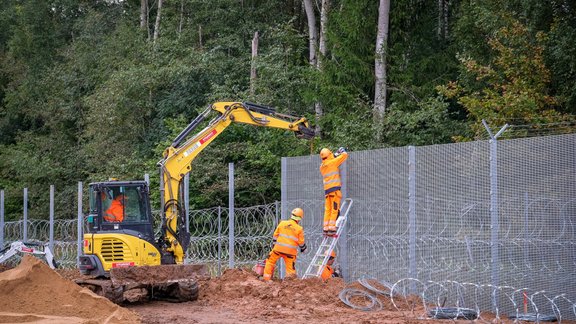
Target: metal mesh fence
496 213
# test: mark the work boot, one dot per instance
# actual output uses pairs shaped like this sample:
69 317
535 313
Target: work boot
331 233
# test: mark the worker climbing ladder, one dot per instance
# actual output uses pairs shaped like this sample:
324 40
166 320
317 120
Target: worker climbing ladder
320 258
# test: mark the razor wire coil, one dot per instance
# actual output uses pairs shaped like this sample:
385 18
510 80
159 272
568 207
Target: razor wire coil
348 294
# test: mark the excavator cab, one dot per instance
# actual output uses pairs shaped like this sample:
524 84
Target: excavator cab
121 206
120 229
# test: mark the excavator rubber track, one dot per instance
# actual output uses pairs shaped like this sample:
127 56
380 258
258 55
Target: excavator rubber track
174 283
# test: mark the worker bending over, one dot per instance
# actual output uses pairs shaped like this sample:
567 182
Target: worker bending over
332 184
328 271
288 237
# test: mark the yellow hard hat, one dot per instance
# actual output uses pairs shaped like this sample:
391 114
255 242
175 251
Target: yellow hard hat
297 214
324 153
332 254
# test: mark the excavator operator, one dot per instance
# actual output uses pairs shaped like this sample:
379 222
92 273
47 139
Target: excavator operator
288 237
115 213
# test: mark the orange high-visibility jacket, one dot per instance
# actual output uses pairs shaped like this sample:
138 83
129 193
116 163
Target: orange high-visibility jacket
331 174
288 237
116 211
327 272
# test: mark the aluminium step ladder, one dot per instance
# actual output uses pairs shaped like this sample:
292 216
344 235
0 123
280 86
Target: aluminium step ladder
320 258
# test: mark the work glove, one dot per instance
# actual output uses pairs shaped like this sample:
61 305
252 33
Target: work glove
303 248
341 150
337 273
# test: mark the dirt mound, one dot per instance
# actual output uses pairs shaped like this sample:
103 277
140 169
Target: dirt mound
34 292
286 301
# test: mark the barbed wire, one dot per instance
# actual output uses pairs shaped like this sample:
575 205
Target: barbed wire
454 300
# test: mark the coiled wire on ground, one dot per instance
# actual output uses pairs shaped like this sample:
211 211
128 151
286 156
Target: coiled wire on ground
532 317
452 313
348 293
364 281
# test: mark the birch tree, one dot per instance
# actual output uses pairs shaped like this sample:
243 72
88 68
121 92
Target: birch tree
322 46
313 36
312 31
253 74
380 60
157 24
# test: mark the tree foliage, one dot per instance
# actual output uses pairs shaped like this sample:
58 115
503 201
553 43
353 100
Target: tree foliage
512 86
86 95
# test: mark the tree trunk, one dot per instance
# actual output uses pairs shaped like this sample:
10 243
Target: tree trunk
144 16
446 18
253 65
181 17
143 13
157 24
312 32
443 10
380 61
440 19
319 111
323 23
200 36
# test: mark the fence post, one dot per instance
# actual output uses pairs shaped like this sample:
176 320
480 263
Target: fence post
1 219
25 224
343 241
231 215
494 211
51 242
283 205
412 214
219 241
80 221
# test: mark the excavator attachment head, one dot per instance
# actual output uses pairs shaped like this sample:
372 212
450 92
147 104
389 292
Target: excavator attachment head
305 132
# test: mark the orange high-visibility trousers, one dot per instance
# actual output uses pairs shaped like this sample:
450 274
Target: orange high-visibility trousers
332 210
289 261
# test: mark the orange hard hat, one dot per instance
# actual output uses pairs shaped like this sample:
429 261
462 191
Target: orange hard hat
332 254
325 153
297 214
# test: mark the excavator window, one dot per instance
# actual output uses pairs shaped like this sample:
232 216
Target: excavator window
120 204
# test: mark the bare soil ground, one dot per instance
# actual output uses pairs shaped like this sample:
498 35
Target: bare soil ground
33 292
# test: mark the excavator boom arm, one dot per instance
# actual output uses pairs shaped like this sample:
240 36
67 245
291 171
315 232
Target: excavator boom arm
179 156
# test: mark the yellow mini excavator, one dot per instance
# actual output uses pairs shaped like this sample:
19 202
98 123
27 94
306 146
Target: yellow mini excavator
123 260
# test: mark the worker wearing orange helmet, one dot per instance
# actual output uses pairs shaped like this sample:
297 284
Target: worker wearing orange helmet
328 271
332 184
288 238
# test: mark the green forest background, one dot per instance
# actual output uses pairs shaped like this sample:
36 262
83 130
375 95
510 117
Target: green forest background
87 94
